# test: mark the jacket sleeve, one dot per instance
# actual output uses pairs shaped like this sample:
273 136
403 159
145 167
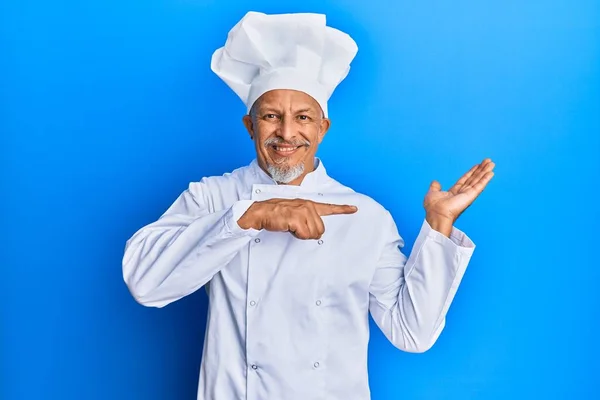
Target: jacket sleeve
409 298
181 251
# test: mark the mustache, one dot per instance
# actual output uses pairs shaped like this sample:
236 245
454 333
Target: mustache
276 140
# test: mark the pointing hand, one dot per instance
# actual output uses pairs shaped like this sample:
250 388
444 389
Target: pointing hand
302 218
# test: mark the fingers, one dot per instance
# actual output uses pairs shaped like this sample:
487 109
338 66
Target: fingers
305 223
307 228
299 229
435 186
314 223
454 189
320 226
486 166
482 182
331 209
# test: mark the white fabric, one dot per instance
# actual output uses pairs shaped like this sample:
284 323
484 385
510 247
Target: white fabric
284 51
288 318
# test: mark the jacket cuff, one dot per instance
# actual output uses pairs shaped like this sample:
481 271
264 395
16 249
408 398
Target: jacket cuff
457 240
232 216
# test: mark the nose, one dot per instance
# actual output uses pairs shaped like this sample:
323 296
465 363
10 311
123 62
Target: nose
286 129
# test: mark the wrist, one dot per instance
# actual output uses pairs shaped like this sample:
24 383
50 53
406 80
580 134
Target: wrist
440 224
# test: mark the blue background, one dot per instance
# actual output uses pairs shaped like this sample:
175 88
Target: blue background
108 109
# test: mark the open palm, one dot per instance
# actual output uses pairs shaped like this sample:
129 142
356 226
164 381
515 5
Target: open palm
450 204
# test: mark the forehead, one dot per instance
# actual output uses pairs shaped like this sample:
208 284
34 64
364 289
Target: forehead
288 99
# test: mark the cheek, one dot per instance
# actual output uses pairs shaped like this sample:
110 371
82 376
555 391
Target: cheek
260 135
313 137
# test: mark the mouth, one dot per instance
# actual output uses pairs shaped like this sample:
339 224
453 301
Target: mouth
284 150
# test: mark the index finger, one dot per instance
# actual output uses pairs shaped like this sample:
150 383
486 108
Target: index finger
331 209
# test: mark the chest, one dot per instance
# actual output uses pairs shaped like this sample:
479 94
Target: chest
278 265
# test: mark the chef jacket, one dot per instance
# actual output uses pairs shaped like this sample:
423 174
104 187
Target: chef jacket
288 318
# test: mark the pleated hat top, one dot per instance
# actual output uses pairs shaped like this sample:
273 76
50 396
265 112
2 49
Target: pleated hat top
284 51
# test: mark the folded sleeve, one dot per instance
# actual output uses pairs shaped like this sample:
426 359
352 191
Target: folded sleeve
410 296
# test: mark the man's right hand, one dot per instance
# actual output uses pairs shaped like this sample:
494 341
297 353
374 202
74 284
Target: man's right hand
302 218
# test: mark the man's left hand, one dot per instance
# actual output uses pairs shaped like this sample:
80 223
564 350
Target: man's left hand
442 208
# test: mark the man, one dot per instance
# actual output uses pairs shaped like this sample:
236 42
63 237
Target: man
296 261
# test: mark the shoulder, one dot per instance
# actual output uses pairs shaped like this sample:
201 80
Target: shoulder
374 221
229 183
233 178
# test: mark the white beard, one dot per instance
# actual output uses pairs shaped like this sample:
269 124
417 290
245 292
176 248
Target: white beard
285 174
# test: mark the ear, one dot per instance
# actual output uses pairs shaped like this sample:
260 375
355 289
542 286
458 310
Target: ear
324 127
247 120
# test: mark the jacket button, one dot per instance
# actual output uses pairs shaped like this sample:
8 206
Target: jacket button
254 366
318 302
257 191
252 303
257 240
320 241
316 364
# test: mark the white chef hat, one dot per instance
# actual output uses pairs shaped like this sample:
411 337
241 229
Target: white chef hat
284 51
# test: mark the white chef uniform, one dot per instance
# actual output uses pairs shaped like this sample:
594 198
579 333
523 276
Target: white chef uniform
288 318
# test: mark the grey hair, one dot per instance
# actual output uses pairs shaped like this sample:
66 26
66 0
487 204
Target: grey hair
253 113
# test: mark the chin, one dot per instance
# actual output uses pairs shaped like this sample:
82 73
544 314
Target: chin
284 172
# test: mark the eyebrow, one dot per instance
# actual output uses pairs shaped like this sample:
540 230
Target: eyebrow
268 110
274 110
304 110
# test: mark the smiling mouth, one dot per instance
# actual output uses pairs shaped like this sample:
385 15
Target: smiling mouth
285 150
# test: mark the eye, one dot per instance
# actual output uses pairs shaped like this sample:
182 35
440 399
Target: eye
271 116
303 117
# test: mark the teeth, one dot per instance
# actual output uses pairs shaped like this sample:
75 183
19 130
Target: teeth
285 149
